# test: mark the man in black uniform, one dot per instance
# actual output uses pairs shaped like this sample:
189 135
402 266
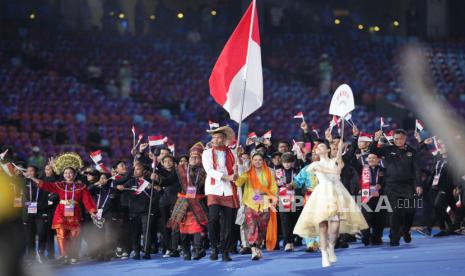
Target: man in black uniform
402 179
139 201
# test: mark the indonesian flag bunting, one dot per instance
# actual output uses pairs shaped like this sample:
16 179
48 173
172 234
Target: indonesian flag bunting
267 135
156 140
213 125
418 125
2 155
143 184
96 156
252 135
299 115
240 64
102 168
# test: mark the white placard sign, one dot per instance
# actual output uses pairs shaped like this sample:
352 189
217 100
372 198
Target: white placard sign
342 102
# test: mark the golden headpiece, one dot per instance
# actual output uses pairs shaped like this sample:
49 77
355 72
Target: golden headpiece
67 160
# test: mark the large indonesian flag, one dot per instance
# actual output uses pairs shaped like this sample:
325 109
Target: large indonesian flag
227 78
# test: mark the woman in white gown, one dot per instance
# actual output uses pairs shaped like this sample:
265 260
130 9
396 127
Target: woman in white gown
330 210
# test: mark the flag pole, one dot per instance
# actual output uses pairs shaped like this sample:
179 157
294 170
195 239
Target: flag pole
245 75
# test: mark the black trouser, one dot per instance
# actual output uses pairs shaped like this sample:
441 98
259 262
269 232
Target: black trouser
41 226
170 240
108 235
235 234
288 220
139 226
124 233
401 218
220 224
194 239
375 219
30 231
441 199
50 233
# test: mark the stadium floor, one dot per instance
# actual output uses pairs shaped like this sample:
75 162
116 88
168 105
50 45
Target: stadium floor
424 256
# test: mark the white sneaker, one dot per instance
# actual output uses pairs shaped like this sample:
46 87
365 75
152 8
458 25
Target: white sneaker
289 247
167 254
124 256
73 261
324 258
331 254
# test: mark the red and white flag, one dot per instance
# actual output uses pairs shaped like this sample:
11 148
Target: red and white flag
390 135
96 156
240 64
267 135
382 123
315 130
165 140
252 135
213 125
143 184
156 140
171 147
299 115
419 125
334 122
102 168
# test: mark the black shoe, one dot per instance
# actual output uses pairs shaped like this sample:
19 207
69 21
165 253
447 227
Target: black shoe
407 237
366 241
146 257
225 256
174 254
340 243
188 257
136 256
441 234
214 255
394 243
376 241
350 238
199 254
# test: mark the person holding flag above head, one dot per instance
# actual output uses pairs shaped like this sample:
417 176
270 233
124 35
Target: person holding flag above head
219 163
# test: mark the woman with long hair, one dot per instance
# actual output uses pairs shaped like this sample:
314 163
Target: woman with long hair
330 210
